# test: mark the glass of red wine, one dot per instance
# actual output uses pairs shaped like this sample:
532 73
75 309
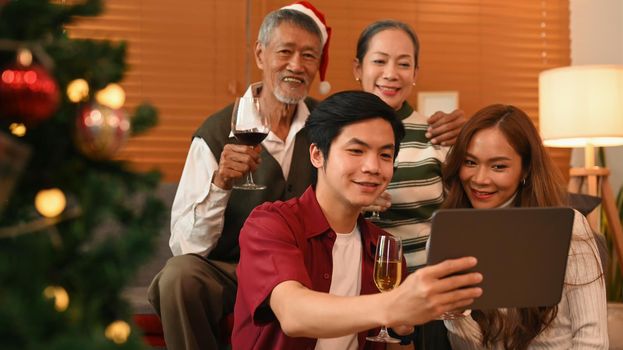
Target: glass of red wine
250 128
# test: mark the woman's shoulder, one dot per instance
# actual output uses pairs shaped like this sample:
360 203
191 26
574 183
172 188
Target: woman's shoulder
584 263
581 227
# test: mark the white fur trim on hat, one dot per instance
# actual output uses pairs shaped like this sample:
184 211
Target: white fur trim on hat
310 13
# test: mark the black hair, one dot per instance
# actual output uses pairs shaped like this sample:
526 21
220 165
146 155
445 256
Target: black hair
374 28
348 107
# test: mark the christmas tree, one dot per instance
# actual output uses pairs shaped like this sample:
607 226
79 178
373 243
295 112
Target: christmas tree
75 223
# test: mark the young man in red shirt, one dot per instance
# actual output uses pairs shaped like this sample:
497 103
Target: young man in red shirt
306 265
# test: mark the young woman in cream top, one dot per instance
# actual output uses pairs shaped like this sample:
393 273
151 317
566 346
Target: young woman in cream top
499 160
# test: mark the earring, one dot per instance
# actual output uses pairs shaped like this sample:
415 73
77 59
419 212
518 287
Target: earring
413 83
523 181
357 79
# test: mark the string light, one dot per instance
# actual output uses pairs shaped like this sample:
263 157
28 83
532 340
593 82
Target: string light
118 331
18 129
24 57
77 90
60 296
112 96
51 202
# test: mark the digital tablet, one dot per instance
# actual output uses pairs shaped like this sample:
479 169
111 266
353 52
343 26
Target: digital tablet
522 252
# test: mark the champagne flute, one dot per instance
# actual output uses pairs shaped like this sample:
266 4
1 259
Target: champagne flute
387 274
250 128
375 217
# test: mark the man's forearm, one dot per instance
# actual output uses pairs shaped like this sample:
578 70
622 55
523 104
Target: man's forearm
306 313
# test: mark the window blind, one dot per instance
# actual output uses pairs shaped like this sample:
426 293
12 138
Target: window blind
192 59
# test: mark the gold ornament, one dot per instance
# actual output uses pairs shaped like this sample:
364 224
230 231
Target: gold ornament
77 90
112 96
118 331
51 202
100 130
60 296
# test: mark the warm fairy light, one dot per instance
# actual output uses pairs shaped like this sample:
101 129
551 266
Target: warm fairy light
112 96
95 118
60 296
124 125
8 76
77 90
18 129
30 77
118 331
24 57
50 202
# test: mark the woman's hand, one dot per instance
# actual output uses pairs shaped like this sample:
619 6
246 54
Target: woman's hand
444 128
382 203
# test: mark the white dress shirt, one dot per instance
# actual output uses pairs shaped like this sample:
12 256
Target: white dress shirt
198 210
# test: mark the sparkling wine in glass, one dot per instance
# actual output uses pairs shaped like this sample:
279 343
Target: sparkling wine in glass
250 128
387 274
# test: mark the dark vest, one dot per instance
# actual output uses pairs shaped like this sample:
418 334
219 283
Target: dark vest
215 132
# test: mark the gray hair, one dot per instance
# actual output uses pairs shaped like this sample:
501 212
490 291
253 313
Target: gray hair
297 18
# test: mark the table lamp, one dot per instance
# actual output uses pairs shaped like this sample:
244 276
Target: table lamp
582 106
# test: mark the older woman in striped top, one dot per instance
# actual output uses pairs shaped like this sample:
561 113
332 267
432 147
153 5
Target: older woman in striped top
386 65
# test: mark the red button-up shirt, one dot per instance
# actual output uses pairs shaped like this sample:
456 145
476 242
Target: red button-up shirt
285 241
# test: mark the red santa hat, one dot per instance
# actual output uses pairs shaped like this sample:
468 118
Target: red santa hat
325 31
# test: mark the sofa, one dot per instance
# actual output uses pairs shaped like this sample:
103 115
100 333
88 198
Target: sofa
135 293
144 315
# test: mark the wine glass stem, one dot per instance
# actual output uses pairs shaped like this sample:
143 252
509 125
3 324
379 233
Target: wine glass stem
383 333
250 178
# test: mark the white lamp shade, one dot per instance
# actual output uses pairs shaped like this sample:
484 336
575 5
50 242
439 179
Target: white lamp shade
581 105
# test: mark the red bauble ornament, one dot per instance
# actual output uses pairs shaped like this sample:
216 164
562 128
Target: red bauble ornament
28 94
101 131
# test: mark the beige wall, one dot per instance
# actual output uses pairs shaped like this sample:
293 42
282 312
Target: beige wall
597 38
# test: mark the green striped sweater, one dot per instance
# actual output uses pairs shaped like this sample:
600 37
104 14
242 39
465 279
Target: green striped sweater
416 188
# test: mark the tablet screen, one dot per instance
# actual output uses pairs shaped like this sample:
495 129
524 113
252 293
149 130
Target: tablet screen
522 252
